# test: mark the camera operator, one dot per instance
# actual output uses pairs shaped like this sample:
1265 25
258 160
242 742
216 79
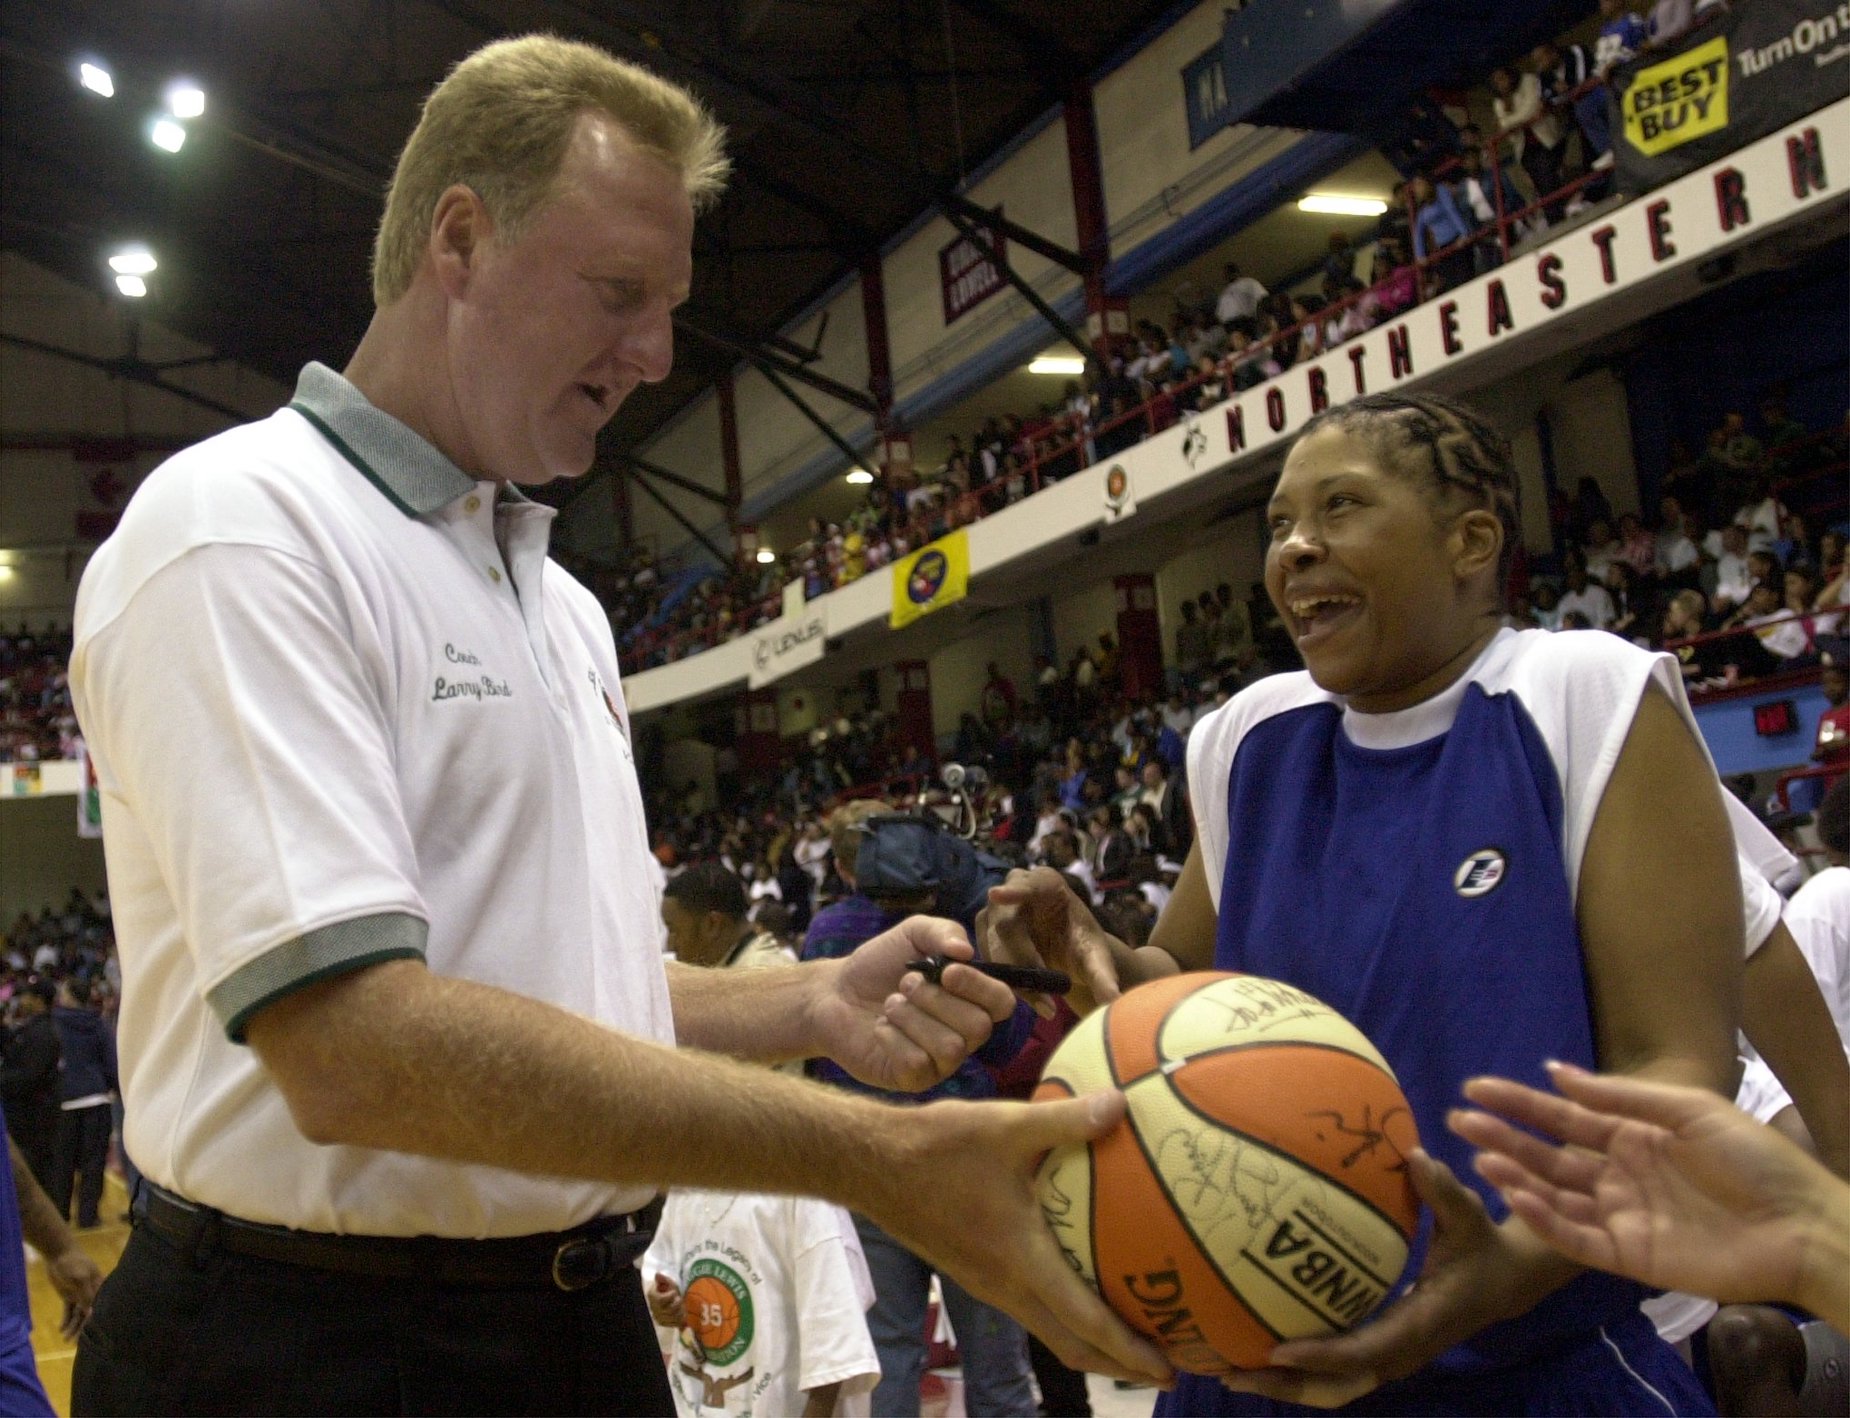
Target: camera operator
994 1347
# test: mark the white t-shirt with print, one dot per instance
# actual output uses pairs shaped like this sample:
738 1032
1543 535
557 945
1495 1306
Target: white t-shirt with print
774 1307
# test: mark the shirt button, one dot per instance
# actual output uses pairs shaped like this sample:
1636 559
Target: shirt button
494 574
472 503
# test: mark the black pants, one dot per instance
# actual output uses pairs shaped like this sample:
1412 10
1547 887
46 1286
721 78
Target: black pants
223 1333
83 1151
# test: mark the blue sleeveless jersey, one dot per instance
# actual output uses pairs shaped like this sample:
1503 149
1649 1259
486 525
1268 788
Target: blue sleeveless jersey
1416 872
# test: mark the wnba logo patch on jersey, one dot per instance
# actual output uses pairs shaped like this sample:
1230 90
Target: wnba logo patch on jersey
1479 873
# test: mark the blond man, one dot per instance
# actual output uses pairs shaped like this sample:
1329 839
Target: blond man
397 1042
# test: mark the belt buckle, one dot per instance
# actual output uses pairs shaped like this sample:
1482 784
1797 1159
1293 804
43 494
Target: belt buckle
579 1263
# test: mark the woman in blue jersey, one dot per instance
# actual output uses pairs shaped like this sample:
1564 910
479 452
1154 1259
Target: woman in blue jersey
1488 849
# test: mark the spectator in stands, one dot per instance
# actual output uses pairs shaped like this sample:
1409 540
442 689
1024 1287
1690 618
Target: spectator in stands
1831 741
704 909
87 1078
1194 643
1584 597
1763 514
1669 21
1393 278
1535 134
29 1092
1676 556
1339 261
1784 638
1167 798
998 700
1480 189
994 1347
1565 72
1239 296
1439 226
1621 35
1733 579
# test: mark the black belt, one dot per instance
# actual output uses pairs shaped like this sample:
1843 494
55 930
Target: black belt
566 1260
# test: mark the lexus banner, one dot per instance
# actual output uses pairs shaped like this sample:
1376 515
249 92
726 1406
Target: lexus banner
1736 78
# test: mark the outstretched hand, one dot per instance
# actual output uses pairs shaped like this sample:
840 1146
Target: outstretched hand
1034 919
967 1207
1674 1187
1473 1276
896 1030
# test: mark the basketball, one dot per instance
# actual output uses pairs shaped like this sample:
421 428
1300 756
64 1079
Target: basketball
1257 1190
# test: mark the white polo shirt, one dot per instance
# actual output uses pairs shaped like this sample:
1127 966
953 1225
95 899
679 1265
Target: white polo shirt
343 709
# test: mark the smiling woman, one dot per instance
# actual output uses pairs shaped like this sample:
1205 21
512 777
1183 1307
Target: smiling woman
1456 836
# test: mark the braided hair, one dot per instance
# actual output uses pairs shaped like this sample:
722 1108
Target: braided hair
1449 445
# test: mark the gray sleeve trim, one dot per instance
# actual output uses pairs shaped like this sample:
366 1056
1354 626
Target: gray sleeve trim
303 960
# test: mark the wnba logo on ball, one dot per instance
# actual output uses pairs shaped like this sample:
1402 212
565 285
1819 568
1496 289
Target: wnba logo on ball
927 577
718 1303
1479 873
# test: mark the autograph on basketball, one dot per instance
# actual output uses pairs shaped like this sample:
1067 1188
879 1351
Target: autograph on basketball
1218 1180
1263 1005
1369 1136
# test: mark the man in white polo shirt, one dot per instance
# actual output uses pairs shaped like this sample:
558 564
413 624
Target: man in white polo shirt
395 1037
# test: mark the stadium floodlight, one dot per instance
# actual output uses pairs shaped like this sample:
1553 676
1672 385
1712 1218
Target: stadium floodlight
1335 204
766 556
185 99
860 477
133 261
96 79
1058 364
167 135
132 286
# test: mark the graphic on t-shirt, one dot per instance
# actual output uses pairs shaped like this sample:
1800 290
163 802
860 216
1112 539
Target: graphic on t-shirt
719 1310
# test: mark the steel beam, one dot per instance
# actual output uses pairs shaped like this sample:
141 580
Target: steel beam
823 426
133 370
985 243
674 479
1020 235
754 351
686 525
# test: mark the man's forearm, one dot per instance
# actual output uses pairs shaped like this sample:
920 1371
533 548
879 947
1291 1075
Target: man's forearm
761 1015
395 1057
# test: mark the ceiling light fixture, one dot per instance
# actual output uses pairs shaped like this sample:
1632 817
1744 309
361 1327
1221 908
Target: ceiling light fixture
860 477
1335 204
96 79
1058 364
133 261
132 286
766 556
185 99
167 135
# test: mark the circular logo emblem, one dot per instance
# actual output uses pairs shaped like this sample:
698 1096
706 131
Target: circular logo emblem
719 1310
928 574
761 652
1117 482
1480 873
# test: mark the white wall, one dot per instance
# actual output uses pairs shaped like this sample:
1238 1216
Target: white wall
1592 432
1080 617
959 671
41 855
1151 177
1230 551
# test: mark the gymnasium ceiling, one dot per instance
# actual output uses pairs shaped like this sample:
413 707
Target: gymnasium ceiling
847 118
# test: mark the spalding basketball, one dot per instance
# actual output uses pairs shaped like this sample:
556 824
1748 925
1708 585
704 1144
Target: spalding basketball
1257 1190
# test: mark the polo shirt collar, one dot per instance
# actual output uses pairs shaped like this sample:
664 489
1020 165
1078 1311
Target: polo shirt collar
414 476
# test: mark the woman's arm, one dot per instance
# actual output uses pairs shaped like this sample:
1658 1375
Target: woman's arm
1660 925
1784 1016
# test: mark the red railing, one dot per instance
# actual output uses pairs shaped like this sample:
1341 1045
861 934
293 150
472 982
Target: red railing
1042 459
1731 678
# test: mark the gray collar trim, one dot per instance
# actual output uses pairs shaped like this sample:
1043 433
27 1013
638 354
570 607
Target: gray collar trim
403 465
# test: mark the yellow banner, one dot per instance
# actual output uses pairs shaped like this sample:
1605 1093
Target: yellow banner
1682 98
931 578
